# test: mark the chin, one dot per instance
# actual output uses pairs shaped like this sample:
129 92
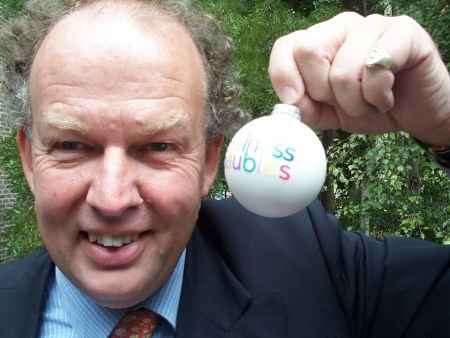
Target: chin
120 299
120 304
116 290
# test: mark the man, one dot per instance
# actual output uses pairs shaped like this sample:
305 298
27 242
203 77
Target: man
123 142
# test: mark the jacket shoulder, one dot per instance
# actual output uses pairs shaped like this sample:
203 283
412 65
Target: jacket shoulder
23 270
272 247
226 220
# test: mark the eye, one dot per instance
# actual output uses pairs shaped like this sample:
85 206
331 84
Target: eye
159 147
71 152
71 146
157 152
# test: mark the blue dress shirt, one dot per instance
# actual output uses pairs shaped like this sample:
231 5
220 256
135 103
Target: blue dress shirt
69 313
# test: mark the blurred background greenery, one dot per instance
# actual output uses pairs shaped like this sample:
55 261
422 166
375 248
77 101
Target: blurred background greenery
379 185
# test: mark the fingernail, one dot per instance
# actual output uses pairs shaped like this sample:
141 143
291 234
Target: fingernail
288 95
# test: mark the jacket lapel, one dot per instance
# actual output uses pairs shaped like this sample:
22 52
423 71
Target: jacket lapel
215 304
24 297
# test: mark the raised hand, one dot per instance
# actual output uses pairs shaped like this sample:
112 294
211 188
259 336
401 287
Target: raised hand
324 70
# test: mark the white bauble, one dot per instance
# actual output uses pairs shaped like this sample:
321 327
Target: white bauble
275 165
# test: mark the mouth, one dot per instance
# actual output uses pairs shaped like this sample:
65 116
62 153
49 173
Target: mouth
110 241
109 251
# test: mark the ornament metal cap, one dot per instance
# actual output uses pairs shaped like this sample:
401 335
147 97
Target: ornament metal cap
287 109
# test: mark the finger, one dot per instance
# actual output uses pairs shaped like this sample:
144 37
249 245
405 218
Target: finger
347 68
407 45
406 42
367 124
325 117
419 74
314 50
284 74
377 86
318 115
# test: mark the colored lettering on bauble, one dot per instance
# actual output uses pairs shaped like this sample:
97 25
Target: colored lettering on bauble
253 158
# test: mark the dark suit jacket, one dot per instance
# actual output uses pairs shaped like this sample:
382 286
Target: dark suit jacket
297 277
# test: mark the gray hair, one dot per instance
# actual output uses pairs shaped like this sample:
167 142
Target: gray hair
21 36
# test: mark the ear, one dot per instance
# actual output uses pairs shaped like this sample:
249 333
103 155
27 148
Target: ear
26 156
212 159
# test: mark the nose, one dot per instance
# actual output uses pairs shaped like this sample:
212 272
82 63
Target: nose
114 189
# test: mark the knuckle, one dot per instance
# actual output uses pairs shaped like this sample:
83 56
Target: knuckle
286 40
373 95
273 72
405 19
406 23
376 18
279 42
308 51
280 46
349 16
340 76
410 29
276 73
319 91
319 94
277 45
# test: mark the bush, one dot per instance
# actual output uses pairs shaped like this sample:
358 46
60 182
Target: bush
382 184
21 237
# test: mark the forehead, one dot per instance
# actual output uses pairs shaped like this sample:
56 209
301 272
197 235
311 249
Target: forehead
110 56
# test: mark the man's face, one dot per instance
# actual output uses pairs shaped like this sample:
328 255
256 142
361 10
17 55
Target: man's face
118 152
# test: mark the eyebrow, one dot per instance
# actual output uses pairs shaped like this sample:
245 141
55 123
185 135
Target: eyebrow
174 120
60 121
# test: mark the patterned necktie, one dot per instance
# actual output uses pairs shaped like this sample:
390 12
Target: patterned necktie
136 324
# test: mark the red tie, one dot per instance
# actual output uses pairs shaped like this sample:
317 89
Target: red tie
136 324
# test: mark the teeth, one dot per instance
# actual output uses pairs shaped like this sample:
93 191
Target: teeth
105 240
110 241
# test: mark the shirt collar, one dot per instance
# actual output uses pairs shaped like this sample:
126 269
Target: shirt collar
165 302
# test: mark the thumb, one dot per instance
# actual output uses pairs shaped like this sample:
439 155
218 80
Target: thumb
284 74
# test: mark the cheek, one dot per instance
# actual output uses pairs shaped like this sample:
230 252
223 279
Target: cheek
57 192
174 193
57 197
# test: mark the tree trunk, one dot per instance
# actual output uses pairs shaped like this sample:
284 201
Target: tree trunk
364 8
327 197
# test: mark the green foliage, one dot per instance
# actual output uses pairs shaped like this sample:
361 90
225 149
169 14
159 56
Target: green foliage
22 235
10 7
382 184
254 27
434 15
386 185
